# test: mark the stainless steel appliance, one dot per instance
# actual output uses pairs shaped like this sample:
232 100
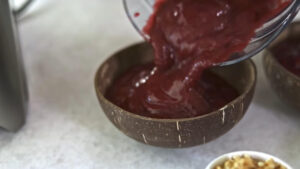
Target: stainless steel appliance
13 88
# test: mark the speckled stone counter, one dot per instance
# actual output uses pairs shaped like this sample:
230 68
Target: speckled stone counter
64 42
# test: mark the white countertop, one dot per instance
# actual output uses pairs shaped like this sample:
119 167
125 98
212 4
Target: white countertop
64 42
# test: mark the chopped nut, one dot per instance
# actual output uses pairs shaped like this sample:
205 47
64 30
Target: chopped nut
246 162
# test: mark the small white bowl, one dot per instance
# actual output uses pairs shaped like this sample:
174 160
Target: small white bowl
256 155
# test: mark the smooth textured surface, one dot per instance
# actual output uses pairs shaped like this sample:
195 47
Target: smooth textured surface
64 42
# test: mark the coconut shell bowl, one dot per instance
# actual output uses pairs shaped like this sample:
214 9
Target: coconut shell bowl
283 82
174 133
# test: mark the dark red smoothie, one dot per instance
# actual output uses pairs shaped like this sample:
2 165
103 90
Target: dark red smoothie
142 91
287 53
189 36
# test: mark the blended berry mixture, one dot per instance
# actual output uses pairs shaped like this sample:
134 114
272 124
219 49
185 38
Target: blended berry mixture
189 36
287 53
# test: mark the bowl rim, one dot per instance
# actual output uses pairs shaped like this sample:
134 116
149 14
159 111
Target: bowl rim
254 154
167 120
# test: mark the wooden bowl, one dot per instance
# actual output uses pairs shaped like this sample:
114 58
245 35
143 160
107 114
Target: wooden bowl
174 133
285 84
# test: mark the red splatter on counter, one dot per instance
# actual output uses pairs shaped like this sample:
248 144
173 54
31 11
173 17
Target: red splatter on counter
137 14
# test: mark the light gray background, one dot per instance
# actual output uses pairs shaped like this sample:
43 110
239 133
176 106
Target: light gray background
64 41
